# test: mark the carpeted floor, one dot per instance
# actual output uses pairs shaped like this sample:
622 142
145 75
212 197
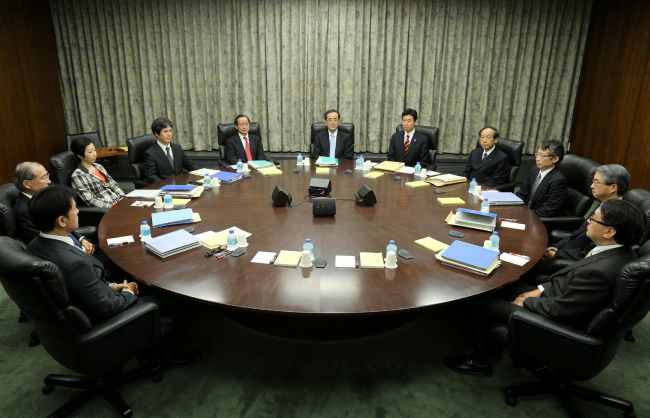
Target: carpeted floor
245 373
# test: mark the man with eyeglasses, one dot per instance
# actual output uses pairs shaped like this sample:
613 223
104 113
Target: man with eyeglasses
488 164
609 182
545 189
30 178
573 295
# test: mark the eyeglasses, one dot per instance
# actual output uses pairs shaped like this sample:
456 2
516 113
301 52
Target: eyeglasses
596 181
540 155
44 177
591 219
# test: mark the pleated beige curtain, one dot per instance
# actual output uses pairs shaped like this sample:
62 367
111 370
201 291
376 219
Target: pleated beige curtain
461 63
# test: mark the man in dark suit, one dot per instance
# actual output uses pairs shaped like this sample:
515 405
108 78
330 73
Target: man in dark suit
333 142
609 182
488 164
164 159
409 147
574 294
243 145
545 189
54 211
30 178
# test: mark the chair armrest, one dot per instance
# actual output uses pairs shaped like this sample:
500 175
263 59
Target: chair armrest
506 187
120 337
566 350
90 232
561 219
558 235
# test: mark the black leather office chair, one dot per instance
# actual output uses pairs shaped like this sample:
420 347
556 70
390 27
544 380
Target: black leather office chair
93 136
137 146
578 172
226 130
560 355
316 127
431 133
96 351
63 165
8 196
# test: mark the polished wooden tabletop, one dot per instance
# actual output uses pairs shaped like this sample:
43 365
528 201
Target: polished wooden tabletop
402 213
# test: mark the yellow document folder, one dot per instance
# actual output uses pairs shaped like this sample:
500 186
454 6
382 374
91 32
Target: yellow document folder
322 170
431 244
373 175
371 261
451 201
417 183
288 258
389 166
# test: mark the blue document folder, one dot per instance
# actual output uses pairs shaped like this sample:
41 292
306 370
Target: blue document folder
178 187
502 198
171 217
470 255
227 176
172 243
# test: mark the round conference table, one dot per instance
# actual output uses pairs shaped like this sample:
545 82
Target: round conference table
401 213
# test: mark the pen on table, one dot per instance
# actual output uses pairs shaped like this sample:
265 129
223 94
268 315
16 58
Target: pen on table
222 255
519 255
508 219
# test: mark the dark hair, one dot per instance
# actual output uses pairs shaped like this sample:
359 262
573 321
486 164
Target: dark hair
554 148
331 111
410 112
615 174
241 116
79 144
495 130
159 124
626 218
47 205
24 171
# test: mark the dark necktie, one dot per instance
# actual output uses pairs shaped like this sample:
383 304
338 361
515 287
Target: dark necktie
533 189
169 156
407 144
249 156
484 156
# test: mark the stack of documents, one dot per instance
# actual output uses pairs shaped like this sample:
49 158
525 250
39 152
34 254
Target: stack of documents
446 179
270 171
144 193
203 171
173 243
469 257
288 258
227 176
455 201
327 161
172 217
501 198
431 244
474 219
371 261
257 164
373 174
416 183
389 166
180 190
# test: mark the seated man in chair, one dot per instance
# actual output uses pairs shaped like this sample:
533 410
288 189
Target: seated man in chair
54 211
333 142
243 145
164 159
30 178
409 147
488 164
574 294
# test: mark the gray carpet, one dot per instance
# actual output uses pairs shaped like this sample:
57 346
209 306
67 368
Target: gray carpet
245 373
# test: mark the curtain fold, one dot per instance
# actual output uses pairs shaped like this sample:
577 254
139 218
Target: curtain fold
461 64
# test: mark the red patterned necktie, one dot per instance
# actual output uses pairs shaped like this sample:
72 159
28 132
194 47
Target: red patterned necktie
407 144
249 156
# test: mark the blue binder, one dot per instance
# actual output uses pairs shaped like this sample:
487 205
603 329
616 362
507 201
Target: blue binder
171 217
172 243
470 255
227 176
178 187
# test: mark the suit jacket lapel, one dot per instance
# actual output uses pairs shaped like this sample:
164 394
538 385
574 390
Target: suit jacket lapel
587 260
163 156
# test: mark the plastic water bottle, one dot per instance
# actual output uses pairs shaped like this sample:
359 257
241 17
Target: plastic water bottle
231 242
168 200
391 247
299 159
485 206
240 166
362 159
207 181
472 186
145 231
495 240
308 246
418 169
358 165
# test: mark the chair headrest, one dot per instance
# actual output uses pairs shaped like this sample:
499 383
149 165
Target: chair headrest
226 130
137 146
8 195
578 171
63 165
431 132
